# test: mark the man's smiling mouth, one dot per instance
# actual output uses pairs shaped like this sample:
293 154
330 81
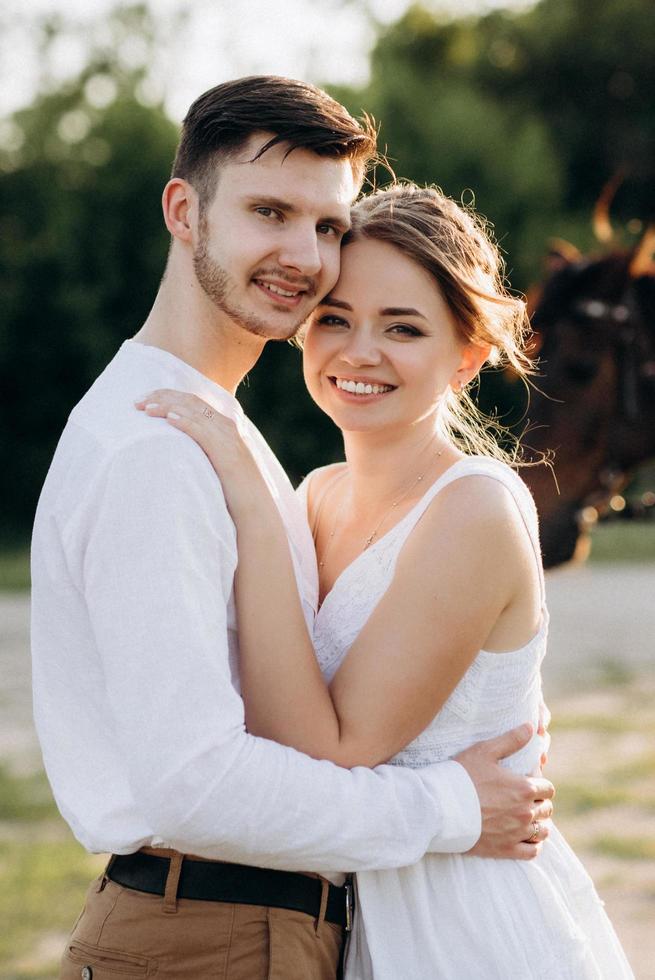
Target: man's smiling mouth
278 290
283 293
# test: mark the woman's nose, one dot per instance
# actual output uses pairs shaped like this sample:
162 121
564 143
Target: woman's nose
361 347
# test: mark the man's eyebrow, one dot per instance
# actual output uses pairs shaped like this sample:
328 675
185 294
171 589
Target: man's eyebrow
266 201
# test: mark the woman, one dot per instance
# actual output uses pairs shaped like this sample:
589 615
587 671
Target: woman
432 622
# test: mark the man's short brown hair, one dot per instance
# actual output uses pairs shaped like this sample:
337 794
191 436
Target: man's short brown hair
220 122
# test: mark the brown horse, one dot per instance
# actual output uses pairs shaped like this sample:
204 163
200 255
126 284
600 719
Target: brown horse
594 407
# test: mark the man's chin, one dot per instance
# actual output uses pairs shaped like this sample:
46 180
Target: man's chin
276 327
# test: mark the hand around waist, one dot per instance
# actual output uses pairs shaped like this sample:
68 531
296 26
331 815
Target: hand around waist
516 809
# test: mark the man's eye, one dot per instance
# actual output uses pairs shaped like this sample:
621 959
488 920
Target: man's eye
268 212
330 320
329 230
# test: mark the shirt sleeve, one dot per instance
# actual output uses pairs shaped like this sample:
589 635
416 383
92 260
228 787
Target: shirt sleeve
158 572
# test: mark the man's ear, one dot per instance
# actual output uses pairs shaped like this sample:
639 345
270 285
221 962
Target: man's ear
180 206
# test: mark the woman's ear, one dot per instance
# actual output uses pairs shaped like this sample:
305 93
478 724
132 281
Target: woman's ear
473 357
180 207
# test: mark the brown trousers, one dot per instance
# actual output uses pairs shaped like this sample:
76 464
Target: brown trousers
124 934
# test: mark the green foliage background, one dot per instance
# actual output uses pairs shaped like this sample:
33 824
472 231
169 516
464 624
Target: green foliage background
530 113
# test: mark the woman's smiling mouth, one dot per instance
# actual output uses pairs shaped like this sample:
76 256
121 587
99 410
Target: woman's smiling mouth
359 388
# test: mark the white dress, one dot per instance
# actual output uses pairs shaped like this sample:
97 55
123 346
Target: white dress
458 917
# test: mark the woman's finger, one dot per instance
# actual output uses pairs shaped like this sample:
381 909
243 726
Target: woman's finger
164 395
163 400
157 409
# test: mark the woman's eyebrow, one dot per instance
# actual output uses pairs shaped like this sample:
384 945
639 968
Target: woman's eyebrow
387 311
401 311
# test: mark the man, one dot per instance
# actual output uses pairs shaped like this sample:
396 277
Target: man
135 646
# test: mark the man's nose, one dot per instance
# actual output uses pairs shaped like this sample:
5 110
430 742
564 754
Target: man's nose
300 251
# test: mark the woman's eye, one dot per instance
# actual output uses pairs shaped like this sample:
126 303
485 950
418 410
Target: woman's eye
405 330
330 320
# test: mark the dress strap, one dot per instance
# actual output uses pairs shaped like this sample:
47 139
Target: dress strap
496 470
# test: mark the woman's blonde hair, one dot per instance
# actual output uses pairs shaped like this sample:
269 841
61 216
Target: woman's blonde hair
453 244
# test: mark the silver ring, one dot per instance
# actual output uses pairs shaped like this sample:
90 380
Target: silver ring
536 828
208 412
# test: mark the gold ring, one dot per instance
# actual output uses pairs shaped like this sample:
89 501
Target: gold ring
536 827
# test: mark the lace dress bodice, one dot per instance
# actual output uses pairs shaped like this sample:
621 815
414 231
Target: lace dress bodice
497 692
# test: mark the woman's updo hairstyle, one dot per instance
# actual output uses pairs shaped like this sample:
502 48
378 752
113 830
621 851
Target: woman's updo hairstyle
453 245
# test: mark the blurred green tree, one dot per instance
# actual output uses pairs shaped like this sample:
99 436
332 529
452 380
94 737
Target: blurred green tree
82 247
534 111
588 70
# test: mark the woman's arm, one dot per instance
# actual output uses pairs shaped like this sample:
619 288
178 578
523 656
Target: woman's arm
420 639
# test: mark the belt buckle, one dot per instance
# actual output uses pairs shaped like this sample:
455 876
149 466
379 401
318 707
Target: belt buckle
349 907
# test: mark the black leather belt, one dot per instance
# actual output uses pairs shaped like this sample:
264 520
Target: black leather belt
213 881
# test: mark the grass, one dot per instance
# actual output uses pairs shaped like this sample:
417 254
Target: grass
15 570
639 767
589 722
626 848
25 798
632 541
578 798
43 884
44 874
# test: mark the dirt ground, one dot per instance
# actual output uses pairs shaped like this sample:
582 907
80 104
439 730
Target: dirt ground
599 679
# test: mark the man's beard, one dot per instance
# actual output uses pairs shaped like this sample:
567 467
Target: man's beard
218 285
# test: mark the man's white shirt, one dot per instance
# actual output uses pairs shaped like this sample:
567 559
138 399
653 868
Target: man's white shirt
135 659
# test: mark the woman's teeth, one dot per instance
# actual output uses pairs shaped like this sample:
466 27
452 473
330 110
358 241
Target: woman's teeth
359 388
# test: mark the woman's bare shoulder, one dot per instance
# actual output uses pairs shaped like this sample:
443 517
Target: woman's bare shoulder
469 519
481 497
316 484
476 521
319 479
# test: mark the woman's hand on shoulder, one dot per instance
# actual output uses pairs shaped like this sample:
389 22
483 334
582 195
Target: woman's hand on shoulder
216 434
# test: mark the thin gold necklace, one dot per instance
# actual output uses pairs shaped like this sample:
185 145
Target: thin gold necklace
374 533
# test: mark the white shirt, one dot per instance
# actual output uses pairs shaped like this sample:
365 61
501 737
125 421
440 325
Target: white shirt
135 659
